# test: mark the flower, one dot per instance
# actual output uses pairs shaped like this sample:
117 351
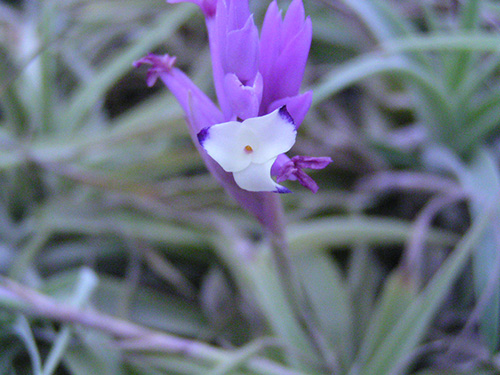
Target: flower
285 168
257 83
249 149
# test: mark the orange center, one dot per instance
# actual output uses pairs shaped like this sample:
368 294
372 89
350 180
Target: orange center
248 149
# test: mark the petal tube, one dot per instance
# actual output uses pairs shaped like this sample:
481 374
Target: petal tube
270 39
275 134
191 98
270 45
242 52
244 100
294 50
257 177
193 101
238 13
294 17
284 47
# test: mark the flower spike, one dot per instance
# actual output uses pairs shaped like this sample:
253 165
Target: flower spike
257 76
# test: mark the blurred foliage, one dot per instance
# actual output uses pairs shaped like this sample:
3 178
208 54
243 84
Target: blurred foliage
119 254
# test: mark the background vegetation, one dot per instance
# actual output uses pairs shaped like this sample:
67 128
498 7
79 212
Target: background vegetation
121 255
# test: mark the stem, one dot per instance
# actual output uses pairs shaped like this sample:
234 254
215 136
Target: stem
291 283
281 253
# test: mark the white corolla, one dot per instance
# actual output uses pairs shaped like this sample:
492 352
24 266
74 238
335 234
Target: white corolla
248 149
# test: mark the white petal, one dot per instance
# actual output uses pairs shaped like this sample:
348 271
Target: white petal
275 134
225 143
257 177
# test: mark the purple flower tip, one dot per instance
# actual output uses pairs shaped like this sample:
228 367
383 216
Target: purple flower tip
285 115
282 190
202 135
159 64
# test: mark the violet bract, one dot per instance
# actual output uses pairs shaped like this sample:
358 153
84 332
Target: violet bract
257 82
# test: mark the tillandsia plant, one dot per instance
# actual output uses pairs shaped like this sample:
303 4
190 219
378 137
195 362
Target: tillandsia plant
90 177
257 82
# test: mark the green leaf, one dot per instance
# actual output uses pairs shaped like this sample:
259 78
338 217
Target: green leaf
383 23
152 308
85 285
10 99
269 293
255 271
238 358
165 365
396 296
87 96
10 348
94 354
330 302
393 353
470 12
351 72
433 102
23 330
63 217
483 181
454 372
319 234
463 61
482 121
441 42
29 252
